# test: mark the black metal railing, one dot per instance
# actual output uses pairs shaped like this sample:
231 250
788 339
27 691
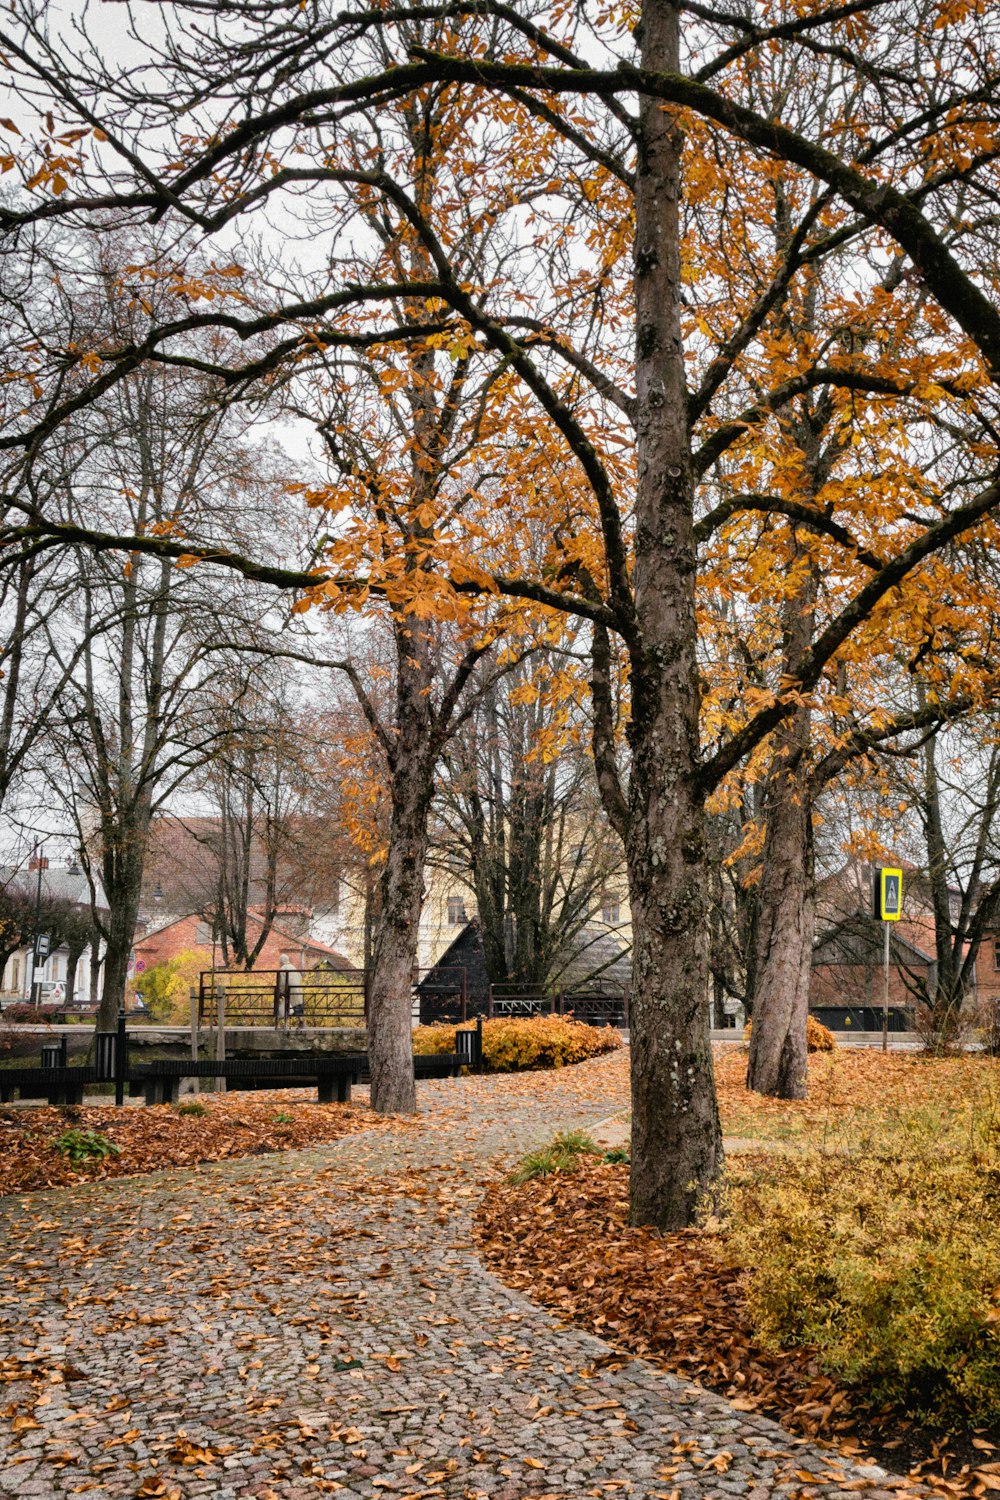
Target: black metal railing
287 998
283 997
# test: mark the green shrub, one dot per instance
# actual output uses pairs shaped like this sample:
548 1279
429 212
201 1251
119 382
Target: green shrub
522 1043
80 1146
561 1155
883 1256
192 1107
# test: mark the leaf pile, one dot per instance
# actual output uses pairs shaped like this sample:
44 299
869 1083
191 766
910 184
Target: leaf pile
147 1139
849 1086
819 1038
679 1301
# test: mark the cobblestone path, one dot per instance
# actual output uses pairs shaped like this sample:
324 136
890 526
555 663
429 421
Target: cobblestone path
318 1323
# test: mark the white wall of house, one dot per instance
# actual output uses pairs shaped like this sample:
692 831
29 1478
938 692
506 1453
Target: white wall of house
448 906
18 975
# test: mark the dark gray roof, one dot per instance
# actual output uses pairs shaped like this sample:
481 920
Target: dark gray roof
58 884
858 941
601 957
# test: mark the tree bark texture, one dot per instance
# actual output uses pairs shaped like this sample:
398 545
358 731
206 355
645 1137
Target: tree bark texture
784 936
786 917
124 847
676 1140
947 993
390 1038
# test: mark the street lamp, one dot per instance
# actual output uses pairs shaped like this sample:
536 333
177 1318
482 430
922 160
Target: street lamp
36 984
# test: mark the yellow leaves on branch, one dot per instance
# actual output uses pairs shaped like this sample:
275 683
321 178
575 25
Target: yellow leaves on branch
202 285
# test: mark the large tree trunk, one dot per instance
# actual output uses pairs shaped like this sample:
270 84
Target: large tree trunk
947 995
390 1041
784 935
785 916
390 1031
676 1140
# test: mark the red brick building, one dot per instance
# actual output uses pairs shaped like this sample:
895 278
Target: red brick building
193 934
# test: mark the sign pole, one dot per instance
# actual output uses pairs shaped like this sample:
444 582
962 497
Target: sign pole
887 901
885 990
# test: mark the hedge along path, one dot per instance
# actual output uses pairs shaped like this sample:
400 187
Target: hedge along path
319 1323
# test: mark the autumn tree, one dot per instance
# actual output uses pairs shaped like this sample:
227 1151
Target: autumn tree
595 131
255 784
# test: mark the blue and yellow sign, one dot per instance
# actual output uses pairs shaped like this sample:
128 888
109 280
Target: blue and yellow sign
890 895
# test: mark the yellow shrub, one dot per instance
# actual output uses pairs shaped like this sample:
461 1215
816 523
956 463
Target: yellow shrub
165 987
818 1038
519 1043
881 1255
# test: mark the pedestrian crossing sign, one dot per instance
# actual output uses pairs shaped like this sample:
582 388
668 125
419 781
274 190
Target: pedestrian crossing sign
890 895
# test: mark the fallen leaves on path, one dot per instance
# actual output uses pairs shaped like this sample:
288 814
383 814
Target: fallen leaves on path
233 1125
565 1240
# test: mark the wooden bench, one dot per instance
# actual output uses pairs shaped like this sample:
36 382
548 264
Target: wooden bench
160 1081
61 1085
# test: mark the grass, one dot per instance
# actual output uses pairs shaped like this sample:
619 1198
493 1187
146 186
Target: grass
563 1154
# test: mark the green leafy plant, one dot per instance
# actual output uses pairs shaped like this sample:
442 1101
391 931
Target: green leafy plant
880 1253
192 1107
561 1155
618 1155
83 1146
283 1118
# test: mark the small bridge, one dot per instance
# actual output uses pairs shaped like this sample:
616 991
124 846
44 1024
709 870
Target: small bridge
287 998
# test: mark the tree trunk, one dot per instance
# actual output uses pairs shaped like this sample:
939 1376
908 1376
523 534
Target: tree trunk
784 935
947 996
73 957
676 1140
122 886
390 1031
95 970
785 917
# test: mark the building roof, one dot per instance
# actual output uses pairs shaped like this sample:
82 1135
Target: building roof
858 940
295 944
601 959
58 884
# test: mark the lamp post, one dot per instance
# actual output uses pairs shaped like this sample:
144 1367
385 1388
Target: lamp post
35 981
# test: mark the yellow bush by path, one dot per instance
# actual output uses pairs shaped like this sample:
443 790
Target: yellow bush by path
519 1043
818 1038
882 1254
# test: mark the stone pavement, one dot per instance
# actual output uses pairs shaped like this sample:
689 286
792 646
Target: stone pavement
318 1323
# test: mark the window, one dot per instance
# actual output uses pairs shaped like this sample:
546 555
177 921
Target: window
996 953
611 911
203 933
16 985
456 911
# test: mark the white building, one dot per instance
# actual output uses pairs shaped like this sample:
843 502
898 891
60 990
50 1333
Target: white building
63 884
